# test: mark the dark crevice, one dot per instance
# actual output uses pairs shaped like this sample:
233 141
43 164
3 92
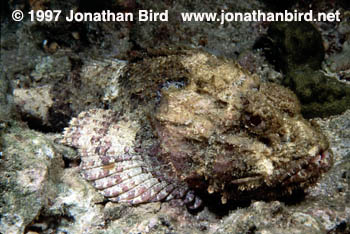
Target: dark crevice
69 163
37 124
244 199
4 10
214 204
47 224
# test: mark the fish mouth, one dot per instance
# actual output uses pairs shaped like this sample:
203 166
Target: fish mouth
307 171
302 174
292 180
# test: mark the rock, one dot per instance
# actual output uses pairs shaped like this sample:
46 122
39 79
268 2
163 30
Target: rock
30 170
339 63
228 39
320 95
49 107
291 45
76 208
6 99
34 104
271 218
104 74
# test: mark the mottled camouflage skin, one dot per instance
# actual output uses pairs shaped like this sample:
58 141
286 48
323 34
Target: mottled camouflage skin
221 131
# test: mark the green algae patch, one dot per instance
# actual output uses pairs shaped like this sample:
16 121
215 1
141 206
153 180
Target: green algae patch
320 95
294 44
296 49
